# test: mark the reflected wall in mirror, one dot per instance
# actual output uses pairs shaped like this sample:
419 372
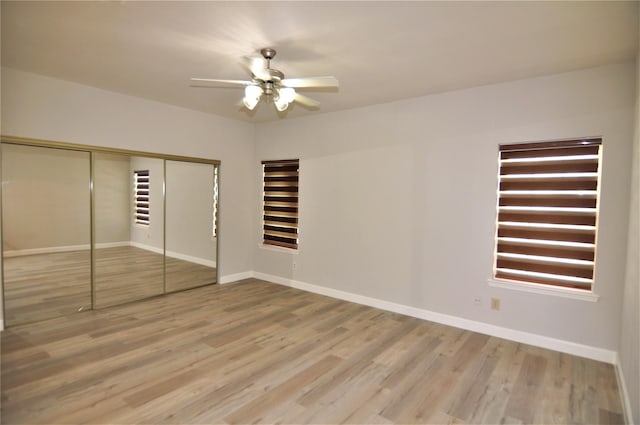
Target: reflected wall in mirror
46 232
191 226
129 228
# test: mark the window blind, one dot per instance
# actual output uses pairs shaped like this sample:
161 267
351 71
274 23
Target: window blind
547 212
215 201
141 186
280 203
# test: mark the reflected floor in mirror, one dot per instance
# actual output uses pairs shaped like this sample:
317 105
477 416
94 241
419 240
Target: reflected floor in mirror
42 286
124 274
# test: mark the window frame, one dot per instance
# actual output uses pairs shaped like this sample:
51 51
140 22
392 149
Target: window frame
564 199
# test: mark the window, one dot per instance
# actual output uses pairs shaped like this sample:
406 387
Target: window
141 187
547 212
280 203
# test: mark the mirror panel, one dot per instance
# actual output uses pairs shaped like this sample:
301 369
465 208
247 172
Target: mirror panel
191 226
129 243
46 232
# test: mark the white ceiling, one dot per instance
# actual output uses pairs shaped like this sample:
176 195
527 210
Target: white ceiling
379 51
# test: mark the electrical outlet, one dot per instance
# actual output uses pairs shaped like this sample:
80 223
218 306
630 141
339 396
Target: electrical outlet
294 265
495 304
477 301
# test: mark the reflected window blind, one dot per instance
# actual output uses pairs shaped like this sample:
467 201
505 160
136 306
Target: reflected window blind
548 212
141 186
215 201
280 203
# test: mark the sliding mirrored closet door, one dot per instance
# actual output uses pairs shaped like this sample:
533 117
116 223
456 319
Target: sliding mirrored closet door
129 228
86 227
46 232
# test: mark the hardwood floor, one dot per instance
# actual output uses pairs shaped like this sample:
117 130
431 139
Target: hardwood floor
183 275
256 352
124 274
42 286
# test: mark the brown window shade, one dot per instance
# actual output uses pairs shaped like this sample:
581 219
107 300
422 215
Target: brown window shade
280 203
141 186
547 212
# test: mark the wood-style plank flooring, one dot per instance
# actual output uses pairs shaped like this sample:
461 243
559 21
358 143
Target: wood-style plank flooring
256 352
42 286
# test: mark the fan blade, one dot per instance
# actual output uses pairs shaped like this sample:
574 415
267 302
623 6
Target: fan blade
306 101
310 82
213 80
258 68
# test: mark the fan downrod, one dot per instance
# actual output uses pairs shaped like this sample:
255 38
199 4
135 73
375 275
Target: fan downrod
274 75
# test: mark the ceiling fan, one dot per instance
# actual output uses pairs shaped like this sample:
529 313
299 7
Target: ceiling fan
270 83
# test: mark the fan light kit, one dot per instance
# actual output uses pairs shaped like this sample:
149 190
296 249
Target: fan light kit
270 84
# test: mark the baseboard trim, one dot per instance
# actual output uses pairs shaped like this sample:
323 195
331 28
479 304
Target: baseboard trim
174 254
191 259
45 250
626 401
66 248
235 277
146 247
111 244
69 248
568 347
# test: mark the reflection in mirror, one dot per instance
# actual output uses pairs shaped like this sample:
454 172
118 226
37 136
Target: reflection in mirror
129 228
46 232
191 228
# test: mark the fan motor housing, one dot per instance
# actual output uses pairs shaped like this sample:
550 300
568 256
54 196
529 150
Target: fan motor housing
268 88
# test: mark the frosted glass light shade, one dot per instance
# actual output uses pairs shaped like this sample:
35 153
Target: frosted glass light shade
287 94
280 105
251 96
285 97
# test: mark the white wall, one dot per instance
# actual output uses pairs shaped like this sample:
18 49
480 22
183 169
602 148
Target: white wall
46 195
398 201
630 330
45 108
189 205
190 210
112 190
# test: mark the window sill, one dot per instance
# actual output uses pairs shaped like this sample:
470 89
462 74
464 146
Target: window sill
575 294
276 248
